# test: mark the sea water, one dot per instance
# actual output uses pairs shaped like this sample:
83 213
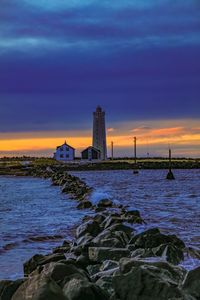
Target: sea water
173 206
34 218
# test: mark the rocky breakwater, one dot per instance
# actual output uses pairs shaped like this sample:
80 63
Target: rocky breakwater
72 185
107 260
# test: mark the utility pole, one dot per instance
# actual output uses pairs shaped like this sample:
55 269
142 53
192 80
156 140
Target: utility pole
135 150
112 150
135 156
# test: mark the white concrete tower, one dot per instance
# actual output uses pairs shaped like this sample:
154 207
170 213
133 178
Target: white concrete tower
99 132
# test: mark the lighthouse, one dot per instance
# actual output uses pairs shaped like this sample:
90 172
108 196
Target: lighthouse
99 132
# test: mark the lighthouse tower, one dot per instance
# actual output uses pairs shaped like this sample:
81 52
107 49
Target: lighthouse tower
99 132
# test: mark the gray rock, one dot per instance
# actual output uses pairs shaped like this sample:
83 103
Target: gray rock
192 283
84 205
104 203
91 227
77 289
176 273
93 269
83 260
63 271
146 282
100 209
100 254
84 240
63 249
109 221
195 253
99 218
8 288
108 265
153 238
111 243
108 273
121 227
117 234
40 260
105 283
132 217
169 252
39 287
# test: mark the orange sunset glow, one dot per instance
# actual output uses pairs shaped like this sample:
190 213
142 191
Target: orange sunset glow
155 137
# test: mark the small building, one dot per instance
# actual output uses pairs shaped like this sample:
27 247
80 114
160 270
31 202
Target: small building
64 153
91 153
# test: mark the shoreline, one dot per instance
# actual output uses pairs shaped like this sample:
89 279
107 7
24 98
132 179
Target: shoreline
106 253
23 167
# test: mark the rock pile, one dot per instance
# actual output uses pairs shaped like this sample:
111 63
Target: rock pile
106 260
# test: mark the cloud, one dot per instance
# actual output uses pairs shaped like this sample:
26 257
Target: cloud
155 139
111 129
138 59
140 129
49 26
171 131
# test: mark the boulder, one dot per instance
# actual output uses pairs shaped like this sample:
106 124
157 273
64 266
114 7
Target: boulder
146 282
84 240
39 287
66 246
193 252
8 288
111 238
121 227
112 243
83 261
77 289
123 237
84 205
66 188
167 252
170 253
91 227
191 283
108 273
93 269
109 221
132 217
176 273
99 218
132 213
153 238
100 209
109 265
105 283
40 260
104 203
100 254
63 271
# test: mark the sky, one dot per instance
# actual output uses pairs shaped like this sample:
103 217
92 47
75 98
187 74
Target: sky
138 59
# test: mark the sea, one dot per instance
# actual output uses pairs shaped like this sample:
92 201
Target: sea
36 217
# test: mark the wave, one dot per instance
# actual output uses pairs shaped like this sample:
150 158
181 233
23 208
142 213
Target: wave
30 239
45 238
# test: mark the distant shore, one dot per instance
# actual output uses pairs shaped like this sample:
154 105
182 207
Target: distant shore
22 166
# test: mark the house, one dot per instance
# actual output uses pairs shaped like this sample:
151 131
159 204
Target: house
64 153
91 153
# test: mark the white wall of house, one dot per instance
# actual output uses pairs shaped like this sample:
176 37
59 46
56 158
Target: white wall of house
64 153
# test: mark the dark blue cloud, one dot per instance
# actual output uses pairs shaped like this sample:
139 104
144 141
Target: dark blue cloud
140 59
